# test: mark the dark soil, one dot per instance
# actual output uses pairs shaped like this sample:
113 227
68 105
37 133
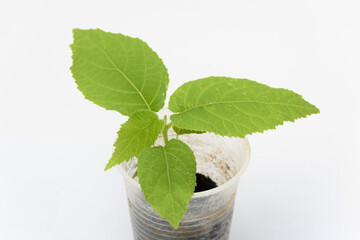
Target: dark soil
204 183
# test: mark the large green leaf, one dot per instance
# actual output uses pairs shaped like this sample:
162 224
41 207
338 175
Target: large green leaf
139 132
167 178
118 72
234 107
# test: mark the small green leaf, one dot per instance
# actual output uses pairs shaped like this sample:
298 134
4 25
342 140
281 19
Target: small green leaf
181 131
118 72
235 107
136 134
167 178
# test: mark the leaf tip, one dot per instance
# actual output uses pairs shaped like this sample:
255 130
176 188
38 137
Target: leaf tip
317 110
175 224
107 167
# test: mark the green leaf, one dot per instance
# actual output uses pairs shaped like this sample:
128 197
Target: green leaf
167 178
139 132
118 72
181 131
234 107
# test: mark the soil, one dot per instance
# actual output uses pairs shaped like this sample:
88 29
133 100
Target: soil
204 183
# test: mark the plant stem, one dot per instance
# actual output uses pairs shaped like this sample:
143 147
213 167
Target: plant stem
165 135
165 131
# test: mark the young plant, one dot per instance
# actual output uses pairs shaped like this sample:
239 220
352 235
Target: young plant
124 74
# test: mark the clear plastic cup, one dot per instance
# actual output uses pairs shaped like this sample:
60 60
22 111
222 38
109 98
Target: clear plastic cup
209 213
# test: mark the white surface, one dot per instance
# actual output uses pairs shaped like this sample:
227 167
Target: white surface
303 180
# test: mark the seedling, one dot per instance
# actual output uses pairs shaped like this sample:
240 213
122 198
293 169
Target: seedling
124 74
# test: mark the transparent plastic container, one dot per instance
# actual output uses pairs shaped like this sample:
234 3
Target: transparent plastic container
209 213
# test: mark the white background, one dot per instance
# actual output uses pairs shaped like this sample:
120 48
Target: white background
303 181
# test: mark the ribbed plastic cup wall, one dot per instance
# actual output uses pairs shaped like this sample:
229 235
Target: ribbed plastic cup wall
209 213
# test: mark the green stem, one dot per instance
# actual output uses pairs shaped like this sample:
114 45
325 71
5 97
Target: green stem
165 131
165 135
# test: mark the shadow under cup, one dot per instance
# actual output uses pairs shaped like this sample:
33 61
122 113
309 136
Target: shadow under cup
209 213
